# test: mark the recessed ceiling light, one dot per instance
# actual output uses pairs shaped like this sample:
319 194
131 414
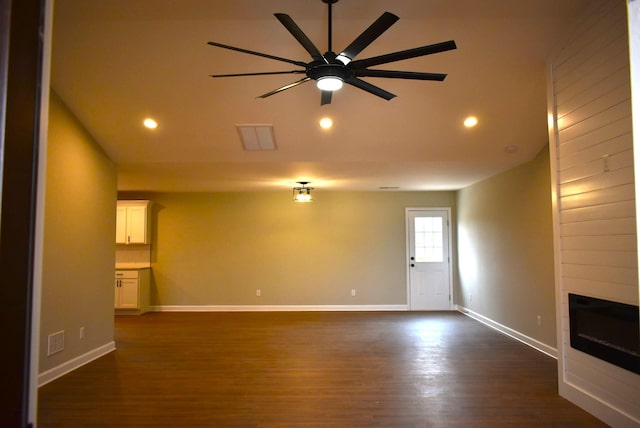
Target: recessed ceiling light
150 123
471 121
326 123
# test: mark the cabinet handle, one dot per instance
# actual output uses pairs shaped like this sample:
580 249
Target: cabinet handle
128 239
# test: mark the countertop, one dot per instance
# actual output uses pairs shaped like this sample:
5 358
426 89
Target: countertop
130 266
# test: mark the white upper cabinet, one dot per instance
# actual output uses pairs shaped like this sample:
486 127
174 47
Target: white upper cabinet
121 224
132 218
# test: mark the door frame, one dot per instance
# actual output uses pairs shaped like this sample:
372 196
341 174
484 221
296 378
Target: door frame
407 211
24 99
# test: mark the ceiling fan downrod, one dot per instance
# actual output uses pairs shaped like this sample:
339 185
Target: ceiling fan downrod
330 31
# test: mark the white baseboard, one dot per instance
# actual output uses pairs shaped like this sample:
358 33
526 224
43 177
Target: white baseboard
276 308
71 365
604 411
535 344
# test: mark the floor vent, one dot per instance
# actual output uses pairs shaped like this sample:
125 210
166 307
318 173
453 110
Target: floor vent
55 343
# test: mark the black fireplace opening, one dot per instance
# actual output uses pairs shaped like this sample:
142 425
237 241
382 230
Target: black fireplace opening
606 330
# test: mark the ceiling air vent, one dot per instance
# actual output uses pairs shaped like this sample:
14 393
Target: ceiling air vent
257 137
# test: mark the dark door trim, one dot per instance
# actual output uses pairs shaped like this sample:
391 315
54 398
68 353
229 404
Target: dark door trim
20 103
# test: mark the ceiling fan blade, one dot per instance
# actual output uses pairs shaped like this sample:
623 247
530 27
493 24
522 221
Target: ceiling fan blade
285 87
366 86
399 74
326 97
302 38
381 25
277 58
257 74
401 55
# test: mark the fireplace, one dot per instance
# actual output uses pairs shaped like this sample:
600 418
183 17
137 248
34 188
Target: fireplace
606 330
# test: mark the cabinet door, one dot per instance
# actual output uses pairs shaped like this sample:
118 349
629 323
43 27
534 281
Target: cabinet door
127 294
121 225
137 225
116 301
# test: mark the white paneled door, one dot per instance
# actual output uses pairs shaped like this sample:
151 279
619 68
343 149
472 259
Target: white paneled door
428 260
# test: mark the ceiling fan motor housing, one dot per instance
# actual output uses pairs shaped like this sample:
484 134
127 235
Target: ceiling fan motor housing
325 70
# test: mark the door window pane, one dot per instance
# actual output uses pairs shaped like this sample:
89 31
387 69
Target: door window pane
428 239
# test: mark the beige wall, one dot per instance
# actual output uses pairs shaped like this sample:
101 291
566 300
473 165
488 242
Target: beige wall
218 248
505 249
79 249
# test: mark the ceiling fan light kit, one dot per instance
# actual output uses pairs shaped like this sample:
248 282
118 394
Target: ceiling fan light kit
329 83
331 71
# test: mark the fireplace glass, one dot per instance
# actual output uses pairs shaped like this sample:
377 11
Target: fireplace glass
606 330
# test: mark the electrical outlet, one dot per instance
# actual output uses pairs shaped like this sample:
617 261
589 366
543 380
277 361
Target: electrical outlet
258 292
81 333
353 292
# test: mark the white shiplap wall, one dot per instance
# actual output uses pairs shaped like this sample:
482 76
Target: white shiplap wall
591 142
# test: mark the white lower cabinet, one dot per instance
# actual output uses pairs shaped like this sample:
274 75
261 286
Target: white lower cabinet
132 291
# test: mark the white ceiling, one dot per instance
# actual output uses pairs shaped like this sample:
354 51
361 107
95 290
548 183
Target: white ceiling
116 62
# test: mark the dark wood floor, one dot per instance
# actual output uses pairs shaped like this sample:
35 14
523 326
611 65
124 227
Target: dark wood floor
311 369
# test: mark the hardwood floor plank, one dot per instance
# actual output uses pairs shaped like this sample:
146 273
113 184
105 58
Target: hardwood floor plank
311 369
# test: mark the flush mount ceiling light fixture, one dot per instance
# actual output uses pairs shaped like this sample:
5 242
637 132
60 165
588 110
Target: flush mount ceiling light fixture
302 193
331 70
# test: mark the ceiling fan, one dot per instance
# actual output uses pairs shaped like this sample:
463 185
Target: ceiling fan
330 71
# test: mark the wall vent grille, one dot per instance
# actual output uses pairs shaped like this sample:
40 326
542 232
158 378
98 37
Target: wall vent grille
55 343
